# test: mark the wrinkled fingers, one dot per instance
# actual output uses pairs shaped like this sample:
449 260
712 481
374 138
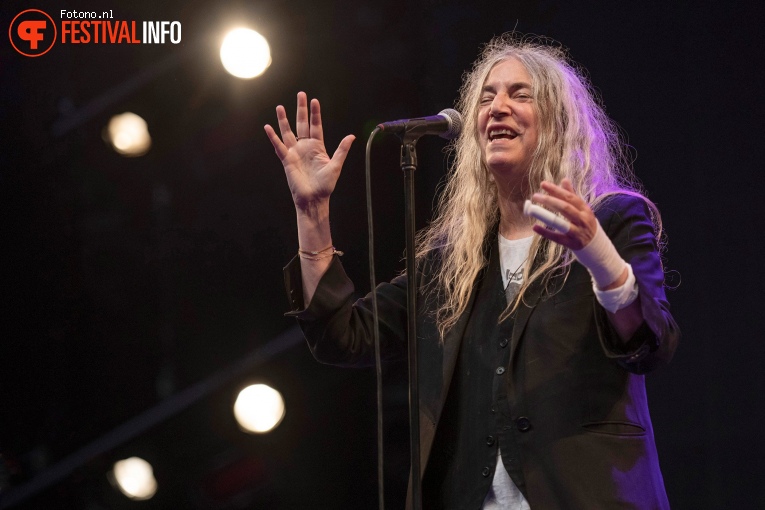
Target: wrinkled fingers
317 131
302 129
288 137
279 147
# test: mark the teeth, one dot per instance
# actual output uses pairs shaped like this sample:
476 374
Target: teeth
498 132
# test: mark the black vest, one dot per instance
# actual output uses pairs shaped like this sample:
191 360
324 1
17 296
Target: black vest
476 419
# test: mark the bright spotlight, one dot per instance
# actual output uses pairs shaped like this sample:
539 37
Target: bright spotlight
134 477
245 53
129 134
259 408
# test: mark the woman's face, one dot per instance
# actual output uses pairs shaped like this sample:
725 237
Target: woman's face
507 121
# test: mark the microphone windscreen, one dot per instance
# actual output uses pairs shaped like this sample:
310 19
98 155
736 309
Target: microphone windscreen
455 123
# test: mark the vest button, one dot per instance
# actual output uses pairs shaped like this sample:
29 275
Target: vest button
486 472
503 343
489 440
500 370
523 424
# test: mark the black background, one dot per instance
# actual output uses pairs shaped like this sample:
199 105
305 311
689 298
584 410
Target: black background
125 281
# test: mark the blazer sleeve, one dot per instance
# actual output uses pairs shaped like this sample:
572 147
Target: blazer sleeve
627 221
339 331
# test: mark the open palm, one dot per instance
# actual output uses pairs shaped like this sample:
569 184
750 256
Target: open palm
311 173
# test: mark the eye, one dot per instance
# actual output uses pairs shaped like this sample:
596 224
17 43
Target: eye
486 100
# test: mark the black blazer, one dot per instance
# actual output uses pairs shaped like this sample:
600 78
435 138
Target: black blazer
588 441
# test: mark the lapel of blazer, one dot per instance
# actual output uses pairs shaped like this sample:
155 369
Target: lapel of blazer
450 351
522 314
453 339
452 343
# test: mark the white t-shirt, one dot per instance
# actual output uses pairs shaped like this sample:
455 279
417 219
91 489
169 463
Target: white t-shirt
512 257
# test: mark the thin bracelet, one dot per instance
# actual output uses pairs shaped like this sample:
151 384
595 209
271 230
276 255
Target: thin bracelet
318 255
317 252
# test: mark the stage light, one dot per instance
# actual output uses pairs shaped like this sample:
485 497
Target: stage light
245 53
259 408
128 134
134 477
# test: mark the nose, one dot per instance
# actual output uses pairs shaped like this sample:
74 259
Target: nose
500 106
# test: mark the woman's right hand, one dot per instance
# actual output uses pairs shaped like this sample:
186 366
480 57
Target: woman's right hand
311 173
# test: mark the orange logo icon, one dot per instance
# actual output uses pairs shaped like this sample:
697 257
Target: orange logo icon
32 33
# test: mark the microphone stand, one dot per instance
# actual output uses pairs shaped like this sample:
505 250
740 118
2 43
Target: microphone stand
408 166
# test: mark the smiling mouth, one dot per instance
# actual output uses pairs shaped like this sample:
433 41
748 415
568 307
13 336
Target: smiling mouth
502 134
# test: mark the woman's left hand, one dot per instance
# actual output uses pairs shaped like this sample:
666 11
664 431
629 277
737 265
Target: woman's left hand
563 200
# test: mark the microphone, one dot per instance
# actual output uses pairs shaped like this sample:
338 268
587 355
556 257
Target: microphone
447 124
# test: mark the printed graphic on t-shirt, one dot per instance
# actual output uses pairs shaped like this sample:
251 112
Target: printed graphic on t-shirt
514 281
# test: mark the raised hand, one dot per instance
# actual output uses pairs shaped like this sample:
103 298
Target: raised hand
311 173
564 200
590 244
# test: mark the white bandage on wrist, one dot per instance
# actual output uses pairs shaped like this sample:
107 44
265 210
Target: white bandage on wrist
620 297
601 259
